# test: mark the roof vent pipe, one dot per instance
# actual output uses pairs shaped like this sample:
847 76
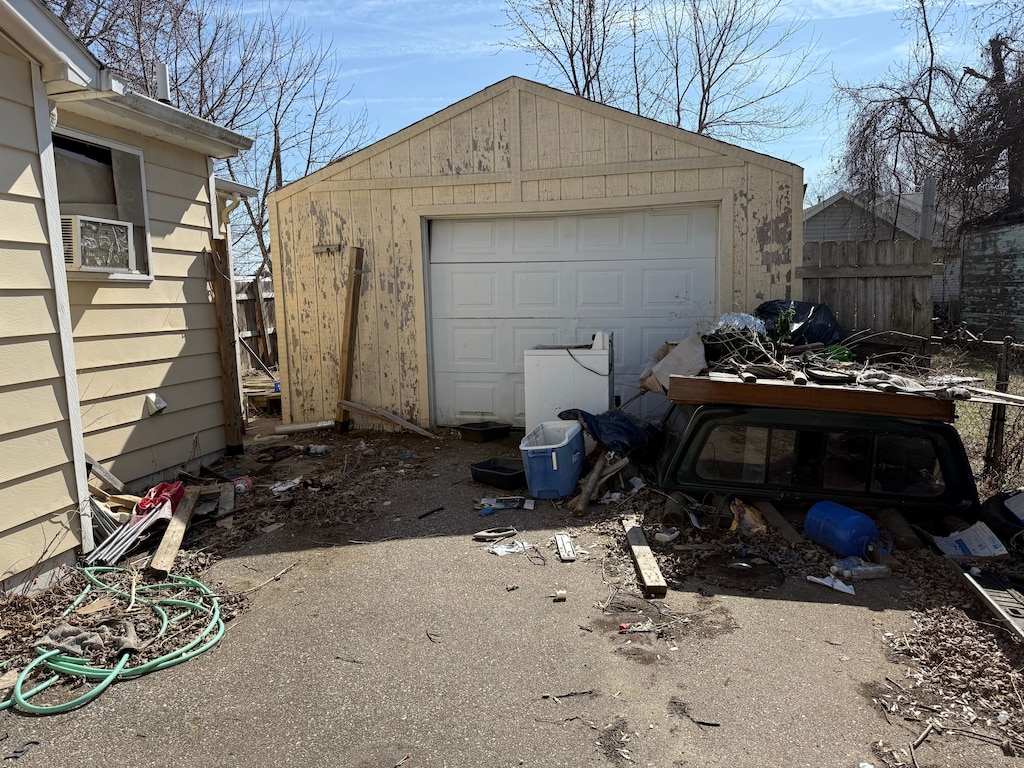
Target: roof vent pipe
163 88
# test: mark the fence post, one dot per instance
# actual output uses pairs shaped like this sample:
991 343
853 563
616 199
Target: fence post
997 427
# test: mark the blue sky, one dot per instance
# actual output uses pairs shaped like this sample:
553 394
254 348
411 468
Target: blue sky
406 59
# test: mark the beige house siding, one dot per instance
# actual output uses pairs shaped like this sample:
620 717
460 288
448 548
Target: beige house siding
38 495
516 148
132 338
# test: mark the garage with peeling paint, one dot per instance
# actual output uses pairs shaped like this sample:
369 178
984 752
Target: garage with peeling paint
520 216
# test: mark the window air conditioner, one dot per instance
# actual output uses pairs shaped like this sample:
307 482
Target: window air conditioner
98 245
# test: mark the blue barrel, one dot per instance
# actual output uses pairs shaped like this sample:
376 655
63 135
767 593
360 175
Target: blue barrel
845 531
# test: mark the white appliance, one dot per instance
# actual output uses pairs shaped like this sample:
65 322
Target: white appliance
559 377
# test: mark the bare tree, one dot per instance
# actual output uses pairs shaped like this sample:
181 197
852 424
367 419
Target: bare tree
931 116
256 72
724 68
574 40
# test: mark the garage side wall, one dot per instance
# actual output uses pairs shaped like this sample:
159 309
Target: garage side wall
517 148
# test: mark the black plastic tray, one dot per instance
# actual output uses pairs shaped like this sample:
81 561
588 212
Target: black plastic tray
482 431
507 474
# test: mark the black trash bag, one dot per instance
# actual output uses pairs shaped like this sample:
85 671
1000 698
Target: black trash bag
811 322
1002 522
619 432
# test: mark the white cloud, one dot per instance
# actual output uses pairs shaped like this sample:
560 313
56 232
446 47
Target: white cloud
844 9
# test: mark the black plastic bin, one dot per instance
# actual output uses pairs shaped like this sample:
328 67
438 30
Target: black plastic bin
483 431
507 474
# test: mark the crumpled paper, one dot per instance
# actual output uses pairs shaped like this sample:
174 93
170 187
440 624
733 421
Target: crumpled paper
831 581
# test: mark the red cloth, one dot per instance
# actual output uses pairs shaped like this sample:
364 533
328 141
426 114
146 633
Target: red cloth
164 493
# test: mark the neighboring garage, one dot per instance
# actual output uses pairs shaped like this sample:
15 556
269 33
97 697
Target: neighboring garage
521 216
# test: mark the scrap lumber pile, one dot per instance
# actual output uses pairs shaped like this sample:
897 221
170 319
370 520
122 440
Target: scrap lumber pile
743 348
121 521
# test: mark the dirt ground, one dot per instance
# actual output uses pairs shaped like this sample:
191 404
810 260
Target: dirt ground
444 652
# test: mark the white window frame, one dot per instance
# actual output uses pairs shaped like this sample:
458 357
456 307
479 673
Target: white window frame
94 275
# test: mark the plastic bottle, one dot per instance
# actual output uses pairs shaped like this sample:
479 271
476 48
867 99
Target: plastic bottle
857 568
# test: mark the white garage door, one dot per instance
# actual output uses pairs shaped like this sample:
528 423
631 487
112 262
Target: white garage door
500 286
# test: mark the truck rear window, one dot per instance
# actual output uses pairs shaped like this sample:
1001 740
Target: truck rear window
841 460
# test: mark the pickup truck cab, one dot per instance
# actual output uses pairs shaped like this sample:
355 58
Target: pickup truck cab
796 457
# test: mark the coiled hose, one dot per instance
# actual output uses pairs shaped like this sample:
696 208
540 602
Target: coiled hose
171 611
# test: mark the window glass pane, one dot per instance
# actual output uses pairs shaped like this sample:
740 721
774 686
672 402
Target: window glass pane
847 461
734 454
85 178
101 182
782 458
907 466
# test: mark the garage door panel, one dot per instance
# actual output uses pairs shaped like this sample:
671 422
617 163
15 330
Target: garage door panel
533 238
667 231
536 336
536 290
473 291
480 397
600 234
472 346
601 290
646 276
494 345
474 238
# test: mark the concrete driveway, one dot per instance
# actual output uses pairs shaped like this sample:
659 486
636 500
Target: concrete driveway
400 636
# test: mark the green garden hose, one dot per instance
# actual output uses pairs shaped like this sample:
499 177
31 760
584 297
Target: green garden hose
170 610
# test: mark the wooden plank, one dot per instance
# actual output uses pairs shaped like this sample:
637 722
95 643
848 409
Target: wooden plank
380 413
163 560
386 351
729 390
652 581
348 328
411 323
777 521
234 421
103 474
877 270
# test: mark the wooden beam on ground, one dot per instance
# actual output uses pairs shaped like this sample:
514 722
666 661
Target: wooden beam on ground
779 523
613 469
348 331
582 501
163 560
380 413
107 477
126 500
652 581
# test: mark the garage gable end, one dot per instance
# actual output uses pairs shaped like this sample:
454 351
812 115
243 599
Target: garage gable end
515 150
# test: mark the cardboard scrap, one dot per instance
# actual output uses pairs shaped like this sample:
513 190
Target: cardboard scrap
684 358
976 541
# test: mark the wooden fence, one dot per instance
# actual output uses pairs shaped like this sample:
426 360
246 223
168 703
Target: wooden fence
257 325
878 284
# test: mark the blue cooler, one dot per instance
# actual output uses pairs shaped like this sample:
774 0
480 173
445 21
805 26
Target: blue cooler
553 458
